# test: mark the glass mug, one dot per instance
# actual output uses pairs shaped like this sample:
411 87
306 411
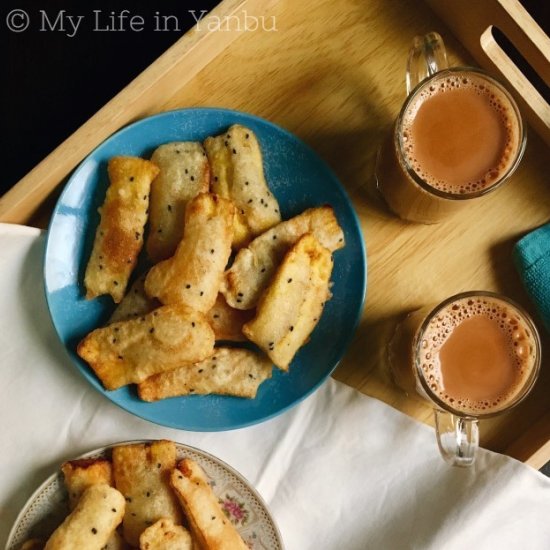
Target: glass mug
475 355
458 137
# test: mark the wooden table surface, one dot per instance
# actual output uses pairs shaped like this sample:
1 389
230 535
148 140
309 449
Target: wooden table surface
333 74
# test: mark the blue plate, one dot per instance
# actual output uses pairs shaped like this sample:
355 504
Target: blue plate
298 178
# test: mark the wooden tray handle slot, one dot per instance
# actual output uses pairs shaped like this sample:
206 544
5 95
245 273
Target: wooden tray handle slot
525 91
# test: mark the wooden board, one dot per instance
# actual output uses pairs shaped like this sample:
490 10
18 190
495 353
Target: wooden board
335 77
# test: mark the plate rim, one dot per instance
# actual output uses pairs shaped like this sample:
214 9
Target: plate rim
103 448
354 218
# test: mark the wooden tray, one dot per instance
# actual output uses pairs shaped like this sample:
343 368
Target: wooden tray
474 28
335 77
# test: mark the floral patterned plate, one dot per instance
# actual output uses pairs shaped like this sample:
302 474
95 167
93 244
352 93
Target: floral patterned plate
244 507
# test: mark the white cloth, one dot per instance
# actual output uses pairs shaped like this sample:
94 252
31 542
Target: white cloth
339 471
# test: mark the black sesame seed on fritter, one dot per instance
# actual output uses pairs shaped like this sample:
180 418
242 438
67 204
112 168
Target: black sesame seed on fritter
192 178
289 280
216 316
131 178
234 151
291 328
94 530
151 330
115 283
169 208
187 286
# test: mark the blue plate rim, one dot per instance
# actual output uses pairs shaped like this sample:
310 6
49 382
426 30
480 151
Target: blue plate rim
363 263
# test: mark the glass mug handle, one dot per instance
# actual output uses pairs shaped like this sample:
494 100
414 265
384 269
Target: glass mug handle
427 56
457 437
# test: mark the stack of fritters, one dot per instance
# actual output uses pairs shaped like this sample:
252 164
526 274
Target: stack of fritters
224 267
144 498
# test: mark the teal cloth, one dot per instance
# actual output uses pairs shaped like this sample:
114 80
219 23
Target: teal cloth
532 259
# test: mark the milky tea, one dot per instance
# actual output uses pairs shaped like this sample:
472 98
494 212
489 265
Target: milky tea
476 355
458 136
